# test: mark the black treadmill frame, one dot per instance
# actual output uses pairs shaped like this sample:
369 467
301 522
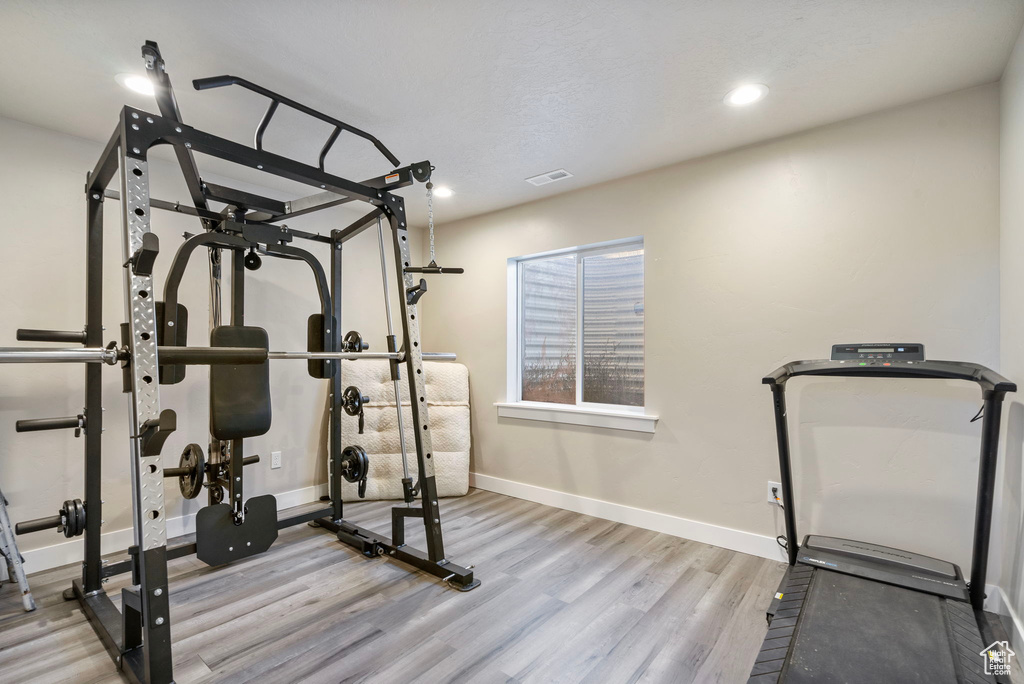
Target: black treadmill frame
993 387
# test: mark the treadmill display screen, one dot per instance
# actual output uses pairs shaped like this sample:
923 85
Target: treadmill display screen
884 354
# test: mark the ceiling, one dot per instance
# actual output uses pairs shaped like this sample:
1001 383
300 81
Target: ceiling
494 92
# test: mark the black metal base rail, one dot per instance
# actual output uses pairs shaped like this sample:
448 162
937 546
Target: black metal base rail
371 544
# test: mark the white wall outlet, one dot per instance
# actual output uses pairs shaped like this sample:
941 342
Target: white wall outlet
777 486
275 459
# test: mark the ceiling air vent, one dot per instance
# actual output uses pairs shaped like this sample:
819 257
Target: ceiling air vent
549 177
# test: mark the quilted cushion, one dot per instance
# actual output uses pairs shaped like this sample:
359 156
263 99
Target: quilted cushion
448 410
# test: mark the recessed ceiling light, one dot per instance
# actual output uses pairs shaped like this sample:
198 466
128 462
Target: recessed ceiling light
442 191
746 94
135 83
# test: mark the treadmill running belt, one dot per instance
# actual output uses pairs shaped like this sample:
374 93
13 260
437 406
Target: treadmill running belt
855 631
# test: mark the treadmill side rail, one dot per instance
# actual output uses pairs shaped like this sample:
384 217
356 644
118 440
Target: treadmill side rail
782 619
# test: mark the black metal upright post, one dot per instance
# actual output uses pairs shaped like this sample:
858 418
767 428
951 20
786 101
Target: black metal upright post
91 569
334 437
416 379
986 492
785 470
235 480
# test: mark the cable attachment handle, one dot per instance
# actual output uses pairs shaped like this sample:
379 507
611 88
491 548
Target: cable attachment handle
432 267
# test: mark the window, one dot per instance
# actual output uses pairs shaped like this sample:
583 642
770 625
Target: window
576 329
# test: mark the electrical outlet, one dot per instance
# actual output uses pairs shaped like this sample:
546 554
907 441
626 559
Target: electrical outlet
777 486
275 459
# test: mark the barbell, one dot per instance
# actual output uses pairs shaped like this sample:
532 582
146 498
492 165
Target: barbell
192 356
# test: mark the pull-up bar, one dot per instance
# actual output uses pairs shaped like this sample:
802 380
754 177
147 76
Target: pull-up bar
276 99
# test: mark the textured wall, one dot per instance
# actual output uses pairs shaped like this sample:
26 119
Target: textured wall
42 272
879 228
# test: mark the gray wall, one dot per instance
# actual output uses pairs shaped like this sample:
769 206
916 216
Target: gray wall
883 227
42 272
1008 546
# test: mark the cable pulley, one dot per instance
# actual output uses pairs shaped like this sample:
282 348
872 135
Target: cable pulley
252 260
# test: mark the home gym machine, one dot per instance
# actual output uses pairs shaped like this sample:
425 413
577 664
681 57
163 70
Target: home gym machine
852 612
152 352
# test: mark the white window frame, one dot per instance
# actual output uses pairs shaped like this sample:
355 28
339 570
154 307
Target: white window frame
615 416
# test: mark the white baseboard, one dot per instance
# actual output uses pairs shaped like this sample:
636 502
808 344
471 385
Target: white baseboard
73 550
734 540
998 602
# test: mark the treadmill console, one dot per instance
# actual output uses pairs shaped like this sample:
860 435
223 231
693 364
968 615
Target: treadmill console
878 354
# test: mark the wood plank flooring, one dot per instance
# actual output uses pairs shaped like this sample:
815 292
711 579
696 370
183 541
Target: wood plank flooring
564 598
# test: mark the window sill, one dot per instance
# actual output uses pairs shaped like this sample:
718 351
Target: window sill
553 413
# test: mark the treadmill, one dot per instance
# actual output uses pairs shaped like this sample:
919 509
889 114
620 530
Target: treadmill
849 611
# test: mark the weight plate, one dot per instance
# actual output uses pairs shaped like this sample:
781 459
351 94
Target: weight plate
352 400
80 510
69 515
353 341
355 463
191 484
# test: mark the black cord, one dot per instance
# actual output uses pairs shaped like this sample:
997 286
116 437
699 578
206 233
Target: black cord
778 501
979 415
781 539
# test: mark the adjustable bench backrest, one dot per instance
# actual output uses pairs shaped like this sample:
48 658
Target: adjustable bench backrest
239 395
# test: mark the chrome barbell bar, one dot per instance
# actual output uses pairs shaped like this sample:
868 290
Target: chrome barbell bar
112 356
355 356
37 355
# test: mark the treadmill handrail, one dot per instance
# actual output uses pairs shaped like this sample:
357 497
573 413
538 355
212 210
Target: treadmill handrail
994 388
988 379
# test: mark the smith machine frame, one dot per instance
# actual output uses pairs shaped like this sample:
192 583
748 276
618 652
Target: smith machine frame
139 637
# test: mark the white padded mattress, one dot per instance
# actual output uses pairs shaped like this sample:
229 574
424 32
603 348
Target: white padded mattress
448 409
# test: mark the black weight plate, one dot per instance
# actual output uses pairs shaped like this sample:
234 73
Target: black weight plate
352 400
191 485
358 463
80 511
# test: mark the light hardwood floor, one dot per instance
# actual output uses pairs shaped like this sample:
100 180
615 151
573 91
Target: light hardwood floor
564 598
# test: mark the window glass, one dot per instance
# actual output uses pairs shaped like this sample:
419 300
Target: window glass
548 329
613 328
